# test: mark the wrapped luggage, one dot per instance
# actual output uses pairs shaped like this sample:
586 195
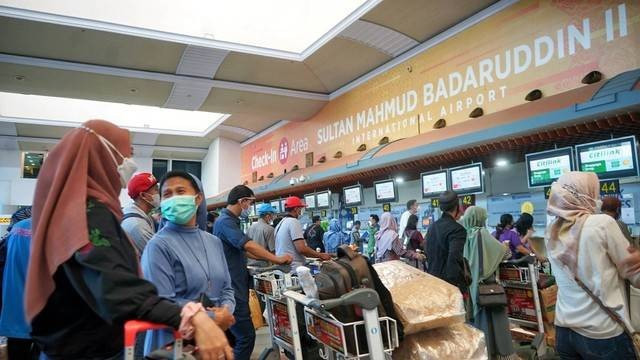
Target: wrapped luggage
421 301
458 341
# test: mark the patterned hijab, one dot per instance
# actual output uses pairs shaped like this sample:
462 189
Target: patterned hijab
573 198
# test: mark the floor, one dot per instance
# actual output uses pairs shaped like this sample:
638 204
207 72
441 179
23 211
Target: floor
263 341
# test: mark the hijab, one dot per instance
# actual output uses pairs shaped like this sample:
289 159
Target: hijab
387 234
78 167
19 215
492 250
573 198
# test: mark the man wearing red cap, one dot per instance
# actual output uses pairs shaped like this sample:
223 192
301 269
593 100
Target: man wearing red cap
136 222
289 235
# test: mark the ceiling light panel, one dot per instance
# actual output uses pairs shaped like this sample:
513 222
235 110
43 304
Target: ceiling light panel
47 110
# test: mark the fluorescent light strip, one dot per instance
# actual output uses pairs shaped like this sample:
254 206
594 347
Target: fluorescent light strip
46 110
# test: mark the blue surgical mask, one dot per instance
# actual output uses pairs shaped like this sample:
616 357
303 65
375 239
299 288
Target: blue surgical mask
179 209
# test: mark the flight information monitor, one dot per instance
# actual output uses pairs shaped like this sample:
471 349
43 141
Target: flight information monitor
276 205
609 159
467 179
385 191
310 200
434 183
322 200
352 195
543 168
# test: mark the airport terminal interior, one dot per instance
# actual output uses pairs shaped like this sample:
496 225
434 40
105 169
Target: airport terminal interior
335 180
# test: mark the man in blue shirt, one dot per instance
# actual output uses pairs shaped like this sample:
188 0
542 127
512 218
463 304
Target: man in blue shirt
236 244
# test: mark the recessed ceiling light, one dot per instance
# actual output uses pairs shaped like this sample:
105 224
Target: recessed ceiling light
502 162
505 194
399 179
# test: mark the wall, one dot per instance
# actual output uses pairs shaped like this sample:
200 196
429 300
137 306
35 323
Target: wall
221 166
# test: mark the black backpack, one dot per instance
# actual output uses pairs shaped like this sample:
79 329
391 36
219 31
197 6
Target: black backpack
352 271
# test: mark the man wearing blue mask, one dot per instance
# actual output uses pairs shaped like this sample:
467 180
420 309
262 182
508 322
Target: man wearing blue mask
236 246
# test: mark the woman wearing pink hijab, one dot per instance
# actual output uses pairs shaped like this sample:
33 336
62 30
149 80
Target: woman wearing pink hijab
389 244
591 259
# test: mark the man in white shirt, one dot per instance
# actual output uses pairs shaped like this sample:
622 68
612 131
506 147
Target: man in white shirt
412 209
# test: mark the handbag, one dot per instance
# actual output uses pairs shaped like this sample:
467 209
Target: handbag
634 336
490 293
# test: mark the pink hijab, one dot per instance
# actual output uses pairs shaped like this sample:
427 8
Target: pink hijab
387 234
573 198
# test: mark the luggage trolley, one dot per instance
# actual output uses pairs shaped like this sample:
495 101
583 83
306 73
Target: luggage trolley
518 281
381 333
270 283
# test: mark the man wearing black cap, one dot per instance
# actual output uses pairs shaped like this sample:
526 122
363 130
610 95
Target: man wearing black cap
445 243
236 243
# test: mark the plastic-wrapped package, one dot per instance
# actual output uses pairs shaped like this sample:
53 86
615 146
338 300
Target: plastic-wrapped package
422 301
459 341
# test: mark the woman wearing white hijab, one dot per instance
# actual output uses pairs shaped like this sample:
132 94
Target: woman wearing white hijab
388 242
589 248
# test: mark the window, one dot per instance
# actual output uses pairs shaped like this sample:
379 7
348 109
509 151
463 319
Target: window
192 167
31 164
160 168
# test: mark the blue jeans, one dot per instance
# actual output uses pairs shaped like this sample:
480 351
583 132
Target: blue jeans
244 333
570 345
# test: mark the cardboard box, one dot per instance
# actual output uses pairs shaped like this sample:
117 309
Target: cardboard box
522 306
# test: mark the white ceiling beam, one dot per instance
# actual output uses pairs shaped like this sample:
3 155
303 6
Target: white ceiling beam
381 38
150 75
140 146
452 31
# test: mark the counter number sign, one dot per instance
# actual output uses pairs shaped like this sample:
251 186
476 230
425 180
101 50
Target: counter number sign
386 207
547 192
435 203
610 187
354 210
323 213
469 200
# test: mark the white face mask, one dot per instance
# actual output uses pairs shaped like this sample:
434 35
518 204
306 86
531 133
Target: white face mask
126 169
598 206
155 201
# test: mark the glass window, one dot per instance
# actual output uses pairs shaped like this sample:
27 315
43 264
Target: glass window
160 168
31 164
192 167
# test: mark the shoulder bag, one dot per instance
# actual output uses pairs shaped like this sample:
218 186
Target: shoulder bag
634 336
490 293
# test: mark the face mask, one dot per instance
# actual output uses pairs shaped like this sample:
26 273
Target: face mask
155 200
301 211
126 169
179 209
245 212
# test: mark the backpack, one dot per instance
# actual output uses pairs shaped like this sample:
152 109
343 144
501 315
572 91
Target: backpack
353 271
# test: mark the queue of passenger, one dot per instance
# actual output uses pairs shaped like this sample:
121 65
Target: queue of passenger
84 266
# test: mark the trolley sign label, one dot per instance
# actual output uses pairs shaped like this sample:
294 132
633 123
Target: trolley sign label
281 325
324 331
264 286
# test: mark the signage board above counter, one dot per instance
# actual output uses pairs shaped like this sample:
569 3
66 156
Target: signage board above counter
434 183
352 195
609 159
386 191
323 200
543 168
468 179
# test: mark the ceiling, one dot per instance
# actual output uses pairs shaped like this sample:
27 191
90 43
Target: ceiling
39 56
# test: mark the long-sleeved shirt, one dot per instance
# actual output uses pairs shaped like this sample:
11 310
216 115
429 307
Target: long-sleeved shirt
140 228
602 248
13 323
185 262
444 248
263 234
96 291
